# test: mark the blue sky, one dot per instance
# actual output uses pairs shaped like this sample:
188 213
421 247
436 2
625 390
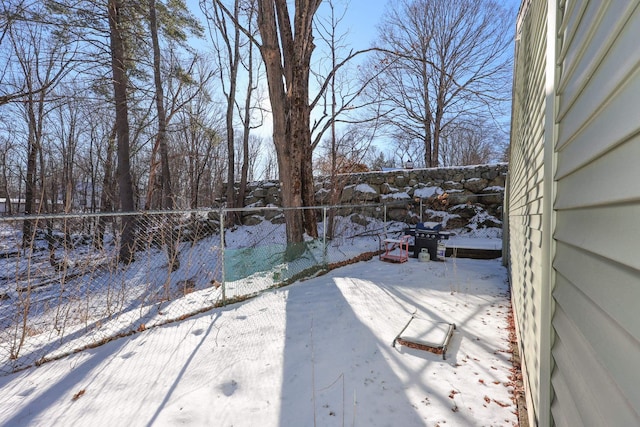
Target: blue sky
359 23
360 19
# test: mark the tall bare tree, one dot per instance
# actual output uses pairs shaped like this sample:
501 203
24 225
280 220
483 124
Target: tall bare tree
286 47
167 201
117 37
38 57
339 102
286 44
232 31
178 18
200 142
441 60
176 22
107 195
286 50
227 44
252 68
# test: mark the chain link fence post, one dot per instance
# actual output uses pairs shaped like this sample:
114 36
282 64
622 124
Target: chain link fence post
384 209
324 237
222 257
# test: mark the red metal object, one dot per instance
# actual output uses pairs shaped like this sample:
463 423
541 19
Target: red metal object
396 250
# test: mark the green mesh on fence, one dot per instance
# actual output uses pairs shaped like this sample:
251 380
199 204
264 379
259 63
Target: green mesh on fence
257 268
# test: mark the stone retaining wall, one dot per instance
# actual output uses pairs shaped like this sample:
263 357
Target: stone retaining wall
455 196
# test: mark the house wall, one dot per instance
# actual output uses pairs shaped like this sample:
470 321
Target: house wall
17 206
526 189
575 268
597 289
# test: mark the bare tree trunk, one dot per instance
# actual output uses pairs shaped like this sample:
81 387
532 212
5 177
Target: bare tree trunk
231 48
333 197
309 195
120 83
426 119
246 127
153 199
231 176
44 207
35 122
189 135
106 197
427 142
5 184
437 132
30 186
290 104
169 237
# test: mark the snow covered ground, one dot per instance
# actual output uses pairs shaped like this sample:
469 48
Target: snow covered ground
48 310
488 238
317 352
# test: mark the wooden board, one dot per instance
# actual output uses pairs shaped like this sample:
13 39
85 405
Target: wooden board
426 335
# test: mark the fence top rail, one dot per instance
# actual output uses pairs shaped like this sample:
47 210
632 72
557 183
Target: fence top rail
204 211
201 211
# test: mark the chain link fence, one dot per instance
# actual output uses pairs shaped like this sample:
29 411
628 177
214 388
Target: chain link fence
63 289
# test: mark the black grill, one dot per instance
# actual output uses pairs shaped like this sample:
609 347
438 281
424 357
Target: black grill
427 236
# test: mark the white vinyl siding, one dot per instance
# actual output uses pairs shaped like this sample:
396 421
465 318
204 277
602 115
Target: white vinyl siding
587 203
